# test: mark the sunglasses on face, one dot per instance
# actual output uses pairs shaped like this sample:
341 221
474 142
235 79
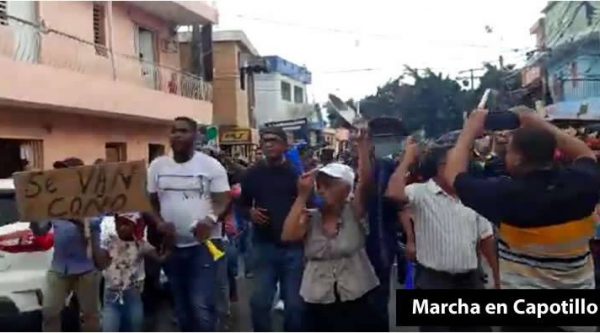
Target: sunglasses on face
271 140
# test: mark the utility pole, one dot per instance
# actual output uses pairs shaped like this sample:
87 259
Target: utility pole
471 77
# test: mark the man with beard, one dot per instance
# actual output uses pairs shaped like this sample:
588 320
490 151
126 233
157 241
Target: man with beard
188 192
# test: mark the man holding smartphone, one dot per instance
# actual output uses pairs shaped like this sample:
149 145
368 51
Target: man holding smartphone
546 214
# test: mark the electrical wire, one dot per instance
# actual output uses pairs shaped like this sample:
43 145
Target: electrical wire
363 34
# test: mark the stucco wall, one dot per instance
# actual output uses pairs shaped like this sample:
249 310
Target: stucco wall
67 135
566 19
269 104
75 18
230 101
79 92
587 64
75 77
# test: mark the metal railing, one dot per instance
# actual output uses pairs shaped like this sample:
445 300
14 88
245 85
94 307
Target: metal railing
36 43
578 89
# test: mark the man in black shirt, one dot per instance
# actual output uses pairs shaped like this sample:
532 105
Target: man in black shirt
546 214
269 189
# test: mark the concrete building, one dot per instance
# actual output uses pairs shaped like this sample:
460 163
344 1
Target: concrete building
235 63
565 69
281 92
94 79
234 95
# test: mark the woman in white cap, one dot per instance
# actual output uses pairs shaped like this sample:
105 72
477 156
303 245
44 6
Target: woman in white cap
337 276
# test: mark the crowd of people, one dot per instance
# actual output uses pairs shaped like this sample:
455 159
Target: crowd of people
327 236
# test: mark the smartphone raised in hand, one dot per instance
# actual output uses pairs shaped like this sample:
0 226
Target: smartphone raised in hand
497 119
502 121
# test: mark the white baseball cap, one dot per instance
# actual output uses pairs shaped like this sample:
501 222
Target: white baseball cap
339 171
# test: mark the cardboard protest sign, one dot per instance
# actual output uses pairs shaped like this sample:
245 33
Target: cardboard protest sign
86 191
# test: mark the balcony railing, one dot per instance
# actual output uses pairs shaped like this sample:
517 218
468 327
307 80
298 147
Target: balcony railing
34 43
577 89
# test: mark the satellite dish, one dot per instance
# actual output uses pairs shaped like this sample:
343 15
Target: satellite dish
346 112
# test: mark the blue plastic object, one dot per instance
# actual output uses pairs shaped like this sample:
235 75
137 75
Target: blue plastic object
410 276
293 155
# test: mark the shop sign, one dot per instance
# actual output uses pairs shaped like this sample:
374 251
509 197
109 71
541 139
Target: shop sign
236 136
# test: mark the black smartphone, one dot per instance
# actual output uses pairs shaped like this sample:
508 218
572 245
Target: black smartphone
502 121
498 118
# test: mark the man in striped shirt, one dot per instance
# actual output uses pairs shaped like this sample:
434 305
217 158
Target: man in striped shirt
446 235
545 213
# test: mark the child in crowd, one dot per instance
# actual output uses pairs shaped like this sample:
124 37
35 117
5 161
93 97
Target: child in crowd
120 255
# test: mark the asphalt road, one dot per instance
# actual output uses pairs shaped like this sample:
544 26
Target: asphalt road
240 312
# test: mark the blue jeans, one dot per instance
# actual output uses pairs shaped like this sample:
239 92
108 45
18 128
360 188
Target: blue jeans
245 249
123 313
232 266
192 274
277 264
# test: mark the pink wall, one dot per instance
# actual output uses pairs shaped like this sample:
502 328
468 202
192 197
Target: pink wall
67 135
68 90
77 78
75 18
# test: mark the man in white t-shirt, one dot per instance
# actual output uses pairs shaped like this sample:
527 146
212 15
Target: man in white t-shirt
188 192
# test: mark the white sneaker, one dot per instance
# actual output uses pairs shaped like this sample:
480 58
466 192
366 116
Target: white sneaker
279 306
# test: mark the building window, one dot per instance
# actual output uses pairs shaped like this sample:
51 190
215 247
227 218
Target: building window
99 16
3 18
116 152
298 95
286 91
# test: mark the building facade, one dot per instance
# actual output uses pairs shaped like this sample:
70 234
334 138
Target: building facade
94 80
234 95
565 68
281 92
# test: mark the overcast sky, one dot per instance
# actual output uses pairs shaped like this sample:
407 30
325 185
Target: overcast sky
353 46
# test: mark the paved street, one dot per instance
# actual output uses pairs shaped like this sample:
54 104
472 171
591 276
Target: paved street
240 312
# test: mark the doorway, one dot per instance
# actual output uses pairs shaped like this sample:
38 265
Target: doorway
154 151
20 155
147 54
116 152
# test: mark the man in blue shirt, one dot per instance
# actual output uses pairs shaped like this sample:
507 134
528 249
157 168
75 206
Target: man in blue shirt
72 268
382 240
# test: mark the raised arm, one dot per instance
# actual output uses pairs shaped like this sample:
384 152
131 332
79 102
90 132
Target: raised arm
458 157
296 223
397 184
365 174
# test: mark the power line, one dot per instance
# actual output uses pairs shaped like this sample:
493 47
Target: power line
345 71
369 34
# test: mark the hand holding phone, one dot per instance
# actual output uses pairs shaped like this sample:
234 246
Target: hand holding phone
502 121
497 120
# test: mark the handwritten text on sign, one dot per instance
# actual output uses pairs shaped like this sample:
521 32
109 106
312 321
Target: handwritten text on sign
82 192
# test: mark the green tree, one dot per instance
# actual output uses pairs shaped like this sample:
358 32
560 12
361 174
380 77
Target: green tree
433 103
